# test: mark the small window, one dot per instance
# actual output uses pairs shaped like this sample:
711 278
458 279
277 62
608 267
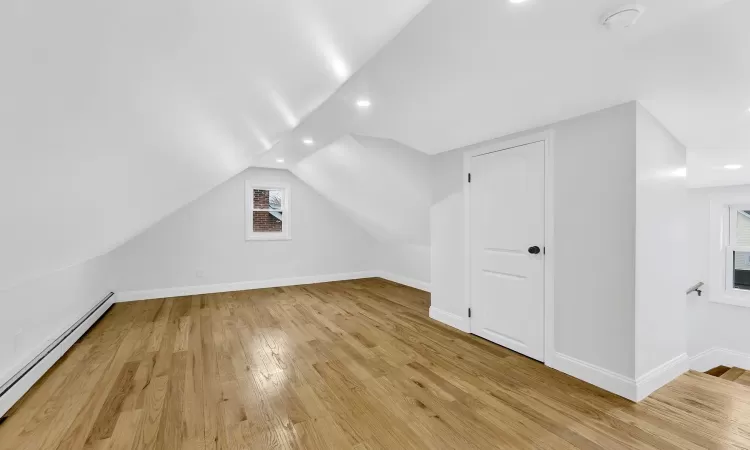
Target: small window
268 212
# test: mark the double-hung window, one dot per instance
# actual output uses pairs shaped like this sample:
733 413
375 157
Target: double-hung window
737 267
729 280
268 212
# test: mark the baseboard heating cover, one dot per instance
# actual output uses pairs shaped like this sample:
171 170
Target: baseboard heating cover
13 389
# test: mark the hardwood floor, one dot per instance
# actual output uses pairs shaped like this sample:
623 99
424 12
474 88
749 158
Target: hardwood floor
335 366
735 374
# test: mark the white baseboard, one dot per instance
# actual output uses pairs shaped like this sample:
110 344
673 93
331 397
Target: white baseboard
624 386
450 319
129 296
411 282
592 374
659 376
12 395
716 356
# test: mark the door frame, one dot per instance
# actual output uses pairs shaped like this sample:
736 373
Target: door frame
497 145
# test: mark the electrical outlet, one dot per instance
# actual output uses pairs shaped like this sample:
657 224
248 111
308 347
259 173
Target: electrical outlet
198 274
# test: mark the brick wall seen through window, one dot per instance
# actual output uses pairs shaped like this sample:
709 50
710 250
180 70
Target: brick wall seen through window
266 221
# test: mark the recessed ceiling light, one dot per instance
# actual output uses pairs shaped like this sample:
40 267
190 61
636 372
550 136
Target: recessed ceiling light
279 160
733 166
363 103
308 141
517 1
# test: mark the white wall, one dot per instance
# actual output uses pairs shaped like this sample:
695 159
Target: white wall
447 234
405 263
661 245
384 187
594 188
711 324
204 242
35 313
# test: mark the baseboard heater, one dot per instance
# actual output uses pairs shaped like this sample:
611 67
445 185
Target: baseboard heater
21 382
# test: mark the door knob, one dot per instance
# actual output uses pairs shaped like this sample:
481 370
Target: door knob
534 250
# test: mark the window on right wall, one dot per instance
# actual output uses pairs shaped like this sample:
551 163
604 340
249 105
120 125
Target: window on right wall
737 267
729 280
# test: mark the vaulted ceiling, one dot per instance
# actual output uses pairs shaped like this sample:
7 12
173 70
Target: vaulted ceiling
463 72
116 113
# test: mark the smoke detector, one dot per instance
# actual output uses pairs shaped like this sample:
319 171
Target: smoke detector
622 17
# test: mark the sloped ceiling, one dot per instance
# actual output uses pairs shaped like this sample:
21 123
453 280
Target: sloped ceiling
116 113
464 72
703 74
381 184
697 79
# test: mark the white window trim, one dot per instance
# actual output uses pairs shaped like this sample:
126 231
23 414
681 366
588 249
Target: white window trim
721 251
284 235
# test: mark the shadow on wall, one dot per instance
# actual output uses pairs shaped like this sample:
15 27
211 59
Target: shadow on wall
388 193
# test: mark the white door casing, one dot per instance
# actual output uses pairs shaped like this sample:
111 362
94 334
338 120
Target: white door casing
507 217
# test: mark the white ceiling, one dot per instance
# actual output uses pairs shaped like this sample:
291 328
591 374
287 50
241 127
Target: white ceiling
464 72
708 168
115 113
696 79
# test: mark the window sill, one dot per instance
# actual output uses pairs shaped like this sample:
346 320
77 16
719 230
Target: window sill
268 238
741 298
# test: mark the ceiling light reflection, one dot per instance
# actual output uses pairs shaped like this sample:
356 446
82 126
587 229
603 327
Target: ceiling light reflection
325 44
340 68
681 172
281 105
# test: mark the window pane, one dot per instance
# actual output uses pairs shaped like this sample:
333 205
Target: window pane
268 199
742 270
743 228
267 222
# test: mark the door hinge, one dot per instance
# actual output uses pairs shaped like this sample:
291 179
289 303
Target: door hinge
469 312
469 178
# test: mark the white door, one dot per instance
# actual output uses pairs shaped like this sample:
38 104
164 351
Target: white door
507 248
